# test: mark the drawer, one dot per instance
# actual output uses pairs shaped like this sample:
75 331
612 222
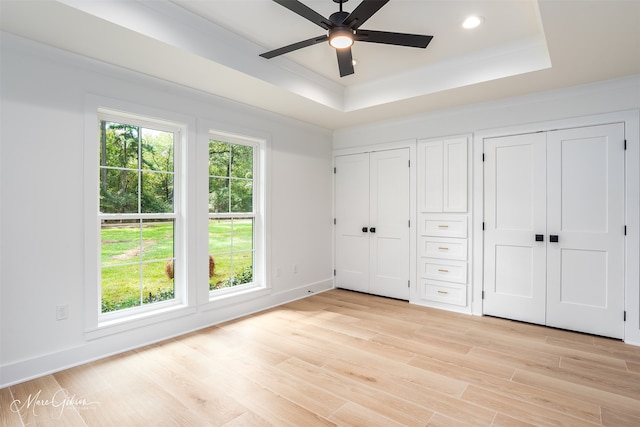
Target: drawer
443 270
448 293
444 226
433 247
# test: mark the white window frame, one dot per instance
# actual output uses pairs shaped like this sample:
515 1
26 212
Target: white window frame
100 324
260 285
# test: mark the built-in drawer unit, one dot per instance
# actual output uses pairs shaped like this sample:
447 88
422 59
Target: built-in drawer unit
443 270
440 226
447 293
441 247
444 227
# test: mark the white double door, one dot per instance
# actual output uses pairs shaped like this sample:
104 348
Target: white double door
554 228
372 208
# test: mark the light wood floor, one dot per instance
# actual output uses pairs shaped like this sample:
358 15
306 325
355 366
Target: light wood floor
343 358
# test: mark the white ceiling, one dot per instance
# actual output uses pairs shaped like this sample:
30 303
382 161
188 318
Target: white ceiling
523 46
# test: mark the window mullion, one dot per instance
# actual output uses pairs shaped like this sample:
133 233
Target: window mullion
215 215
139 169
116 216
140 257
229 174
231 251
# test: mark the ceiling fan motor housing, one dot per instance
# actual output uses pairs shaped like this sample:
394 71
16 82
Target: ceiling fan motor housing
338 18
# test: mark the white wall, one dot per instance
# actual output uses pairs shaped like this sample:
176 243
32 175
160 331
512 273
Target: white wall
41 218
614 100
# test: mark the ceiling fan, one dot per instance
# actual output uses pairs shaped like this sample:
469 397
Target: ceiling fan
343 29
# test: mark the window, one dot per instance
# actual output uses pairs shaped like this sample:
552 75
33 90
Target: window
139 181
233 212
161 209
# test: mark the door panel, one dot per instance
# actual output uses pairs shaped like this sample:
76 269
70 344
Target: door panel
586 210
455 179
352 213
579 267
515 179
515 209
583 178
431 158
515 273
390 206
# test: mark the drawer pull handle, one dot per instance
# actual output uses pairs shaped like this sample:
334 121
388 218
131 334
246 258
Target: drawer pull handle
443 292
442 248
443 226
442 270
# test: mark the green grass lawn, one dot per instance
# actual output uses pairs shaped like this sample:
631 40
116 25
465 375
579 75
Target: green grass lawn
134 260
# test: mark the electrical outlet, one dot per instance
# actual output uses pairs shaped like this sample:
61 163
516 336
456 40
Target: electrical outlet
62 311
295 268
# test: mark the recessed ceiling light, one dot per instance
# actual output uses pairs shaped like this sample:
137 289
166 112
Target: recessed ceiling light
472 22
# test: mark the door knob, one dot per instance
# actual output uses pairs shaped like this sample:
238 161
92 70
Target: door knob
365 229
553 238
372 229
539 237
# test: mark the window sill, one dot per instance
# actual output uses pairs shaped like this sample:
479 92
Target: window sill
138 320
226 299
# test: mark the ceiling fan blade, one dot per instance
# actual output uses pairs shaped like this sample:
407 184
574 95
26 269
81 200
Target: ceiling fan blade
345 61
363 12
306 12
398 39
294 46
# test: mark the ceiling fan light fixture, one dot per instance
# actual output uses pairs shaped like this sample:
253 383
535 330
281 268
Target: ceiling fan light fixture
341 38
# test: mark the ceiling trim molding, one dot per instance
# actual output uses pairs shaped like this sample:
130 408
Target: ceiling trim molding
518 57
175 26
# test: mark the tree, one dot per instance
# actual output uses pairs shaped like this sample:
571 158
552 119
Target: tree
137 167
119 155
231 177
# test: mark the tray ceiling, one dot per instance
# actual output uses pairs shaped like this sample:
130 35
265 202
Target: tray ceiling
523 46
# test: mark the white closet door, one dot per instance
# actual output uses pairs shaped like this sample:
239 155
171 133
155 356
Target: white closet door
390 205
515 212
585 285
352 214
